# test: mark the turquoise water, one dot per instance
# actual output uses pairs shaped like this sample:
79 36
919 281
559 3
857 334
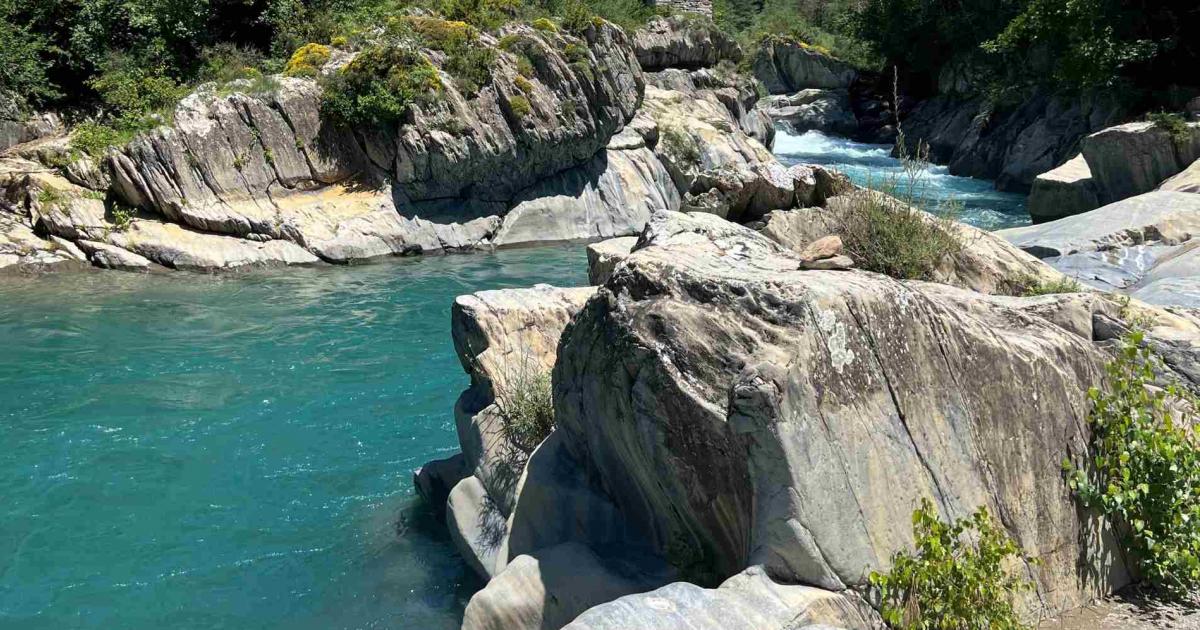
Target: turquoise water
872 165
235 451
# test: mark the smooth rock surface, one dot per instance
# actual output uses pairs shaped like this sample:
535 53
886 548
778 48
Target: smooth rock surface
747 601
1134 158
743 412
786 67
1165 217
604 256
1062 192
1186 181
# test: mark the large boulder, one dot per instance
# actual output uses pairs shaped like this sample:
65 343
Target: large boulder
604 256
827 111
1062 192
785 66
1134 158
743 412
683 41
499 336
737 91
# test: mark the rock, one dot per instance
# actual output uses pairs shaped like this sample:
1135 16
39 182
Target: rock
742 412
22 250
1186 181
828 264
747 601
437 478
827 111
18 126
1173 280
683 41
108 256
1168 218
822 248
604 256
1064 191
477 528
1134 158
797 229
548 589
1010 145
499 336
612 196
738 92
786 67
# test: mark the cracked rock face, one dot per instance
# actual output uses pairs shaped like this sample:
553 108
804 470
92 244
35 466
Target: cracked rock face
686 42
743 412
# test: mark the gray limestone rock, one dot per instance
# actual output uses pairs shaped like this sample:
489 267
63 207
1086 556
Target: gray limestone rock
683 41
786 67
1068 189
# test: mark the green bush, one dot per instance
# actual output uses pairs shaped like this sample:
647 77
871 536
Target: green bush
1029 287
95 138
1143 471
227 62
899 234
520 106
24 67
1173 124
544 24
525 404
956 579
131 90
484 14
468 60
379 86
307 60
523 84
678 142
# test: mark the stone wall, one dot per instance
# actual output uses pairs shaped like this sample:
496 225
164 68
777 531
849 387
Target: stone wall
703 7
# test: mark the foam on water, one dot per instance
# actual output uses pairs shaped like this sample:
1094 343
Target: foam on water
873 165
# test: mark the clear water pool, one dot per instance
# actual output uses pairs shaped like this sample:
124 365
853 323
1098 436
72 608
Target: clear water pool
872 165
235 451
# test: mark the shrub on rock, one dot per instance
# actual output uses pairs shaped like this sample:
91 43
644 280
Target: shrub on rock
379 85
307 60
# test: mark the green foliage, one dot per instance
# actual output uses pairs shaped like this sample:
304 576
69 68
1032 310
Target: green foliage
902 234
544 24
525 403
678 142
379 85
1173 124
957 579
131 90
122 218
520 106
226 62
484 14
825 28
307 60
24 63
1031 286
94 138
523 84
1089 39
1144 467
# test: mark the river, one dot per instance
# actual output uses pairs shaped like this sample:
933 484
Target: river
235 451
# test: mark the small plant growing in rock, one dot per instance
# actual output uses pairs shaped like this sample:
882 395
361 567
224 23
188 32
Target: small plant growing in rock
94 138
1030 286
307 60
1144 467
679 142
902 235
525 404
544 24
1173 124
523 84
520 106
122 218
955 579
